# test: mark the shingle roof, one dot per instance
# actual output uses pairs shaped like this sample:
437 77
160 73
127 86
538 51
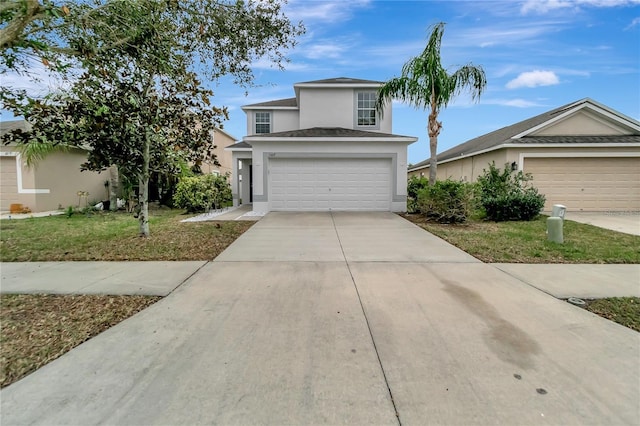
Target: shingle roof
506 134
576 139
289 102
8 126
342 80
328 132
239 145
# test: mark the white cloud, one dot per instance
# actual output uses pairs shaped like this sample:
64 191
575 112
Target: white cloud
323 11
634 22
324 51
546 6
37 81
516 103
534 79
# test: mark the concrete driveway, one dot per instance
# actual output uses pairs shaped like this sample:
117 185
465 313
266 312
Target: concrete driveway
343 318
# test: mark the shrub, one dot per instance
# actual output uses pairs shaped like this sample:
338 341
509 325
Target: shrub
414 186
201 193
506 195
447 201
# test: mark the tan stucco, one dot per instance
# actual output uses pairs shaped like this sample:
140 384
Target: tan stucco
221 140
583 123
54 183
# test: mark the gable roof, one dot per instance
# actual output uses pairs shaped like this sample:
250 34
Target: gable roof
518 133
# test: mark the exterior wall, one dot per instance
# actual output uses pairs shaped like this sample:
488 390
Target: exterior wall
465 169
60 173
52 184
281 120
582 123
262 151
335 107
221 140
285 120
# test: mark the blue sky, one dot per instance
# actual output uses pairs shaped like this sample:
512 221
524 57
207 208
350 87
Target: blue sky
537 55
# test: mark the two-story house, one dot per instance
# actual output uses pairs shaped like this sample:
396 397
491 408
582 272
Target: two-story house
324 149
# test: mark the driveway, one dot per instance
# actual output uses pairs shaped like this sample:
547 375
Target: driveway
626 222
341 318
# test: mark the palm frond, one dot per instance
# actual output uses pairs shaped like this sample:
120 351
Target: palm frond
36 151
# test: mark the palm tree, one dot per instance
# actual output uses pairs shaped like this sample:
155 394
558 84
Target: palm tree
426 84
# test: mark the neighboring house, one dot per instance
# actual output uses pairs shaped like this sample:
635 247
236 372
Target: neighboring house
325 149
221 139
584 155
52 184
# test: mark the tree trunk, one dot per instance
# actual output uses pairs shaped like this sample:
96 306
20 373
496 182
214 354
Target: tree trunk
143 191
433 130
433 160
114 186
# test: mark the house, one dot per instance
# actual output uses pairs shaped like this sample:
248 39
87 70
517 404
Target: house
53 183
584 155
224 156
324 149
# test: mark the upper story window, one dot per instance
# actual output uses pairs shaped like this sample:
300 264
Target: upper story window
263 122
366 109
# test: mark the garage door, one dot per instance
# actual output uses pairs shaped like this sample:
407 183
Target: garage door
8 182
588 184
313 184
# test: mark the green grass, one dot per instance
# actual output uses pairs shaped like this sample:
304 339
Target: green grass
114 236
623 310
526 242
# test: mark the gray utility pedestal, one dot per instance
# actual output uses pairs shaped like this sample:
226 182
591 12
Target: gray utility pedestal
555 222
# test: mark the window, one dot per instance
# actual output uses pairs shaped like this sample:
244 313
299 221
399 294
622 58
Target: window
263 122
366 112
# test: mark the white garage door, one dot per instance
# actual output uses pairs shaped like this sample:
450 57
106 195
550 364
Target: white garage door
588 184
8 182
313 184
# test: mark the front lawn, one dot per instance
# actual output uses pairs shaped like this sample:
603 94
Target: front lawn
526 242
114 236
623 310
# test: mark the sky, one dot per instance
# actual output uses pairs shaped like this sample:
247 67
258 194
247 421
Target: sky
537 55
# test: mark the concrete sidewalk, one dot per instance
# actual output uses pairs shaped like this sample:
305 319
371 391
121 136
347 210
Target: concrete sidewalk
343 318
147 278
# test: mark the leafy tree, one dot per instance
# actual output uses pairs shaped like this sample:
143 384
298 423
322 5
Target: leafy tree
139 103
425 84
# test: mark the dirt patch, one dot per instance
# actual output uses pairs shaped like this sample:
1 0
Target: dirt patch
36 329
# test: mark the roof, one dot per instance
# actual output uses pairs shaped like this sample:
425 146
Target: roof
341 80
328 132
289 102
238 146
517 134
8 126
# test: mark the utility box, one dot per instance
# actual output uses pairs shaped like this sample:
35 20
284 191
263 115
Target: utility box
558 210
554 229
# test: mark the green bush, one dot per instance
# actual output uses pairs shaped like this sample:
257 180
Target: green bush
201 193
506 195
414 186
447 201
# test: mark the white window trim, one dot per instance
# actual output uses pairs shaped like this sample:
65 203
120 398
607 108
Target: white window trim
255 122
21 189
376 126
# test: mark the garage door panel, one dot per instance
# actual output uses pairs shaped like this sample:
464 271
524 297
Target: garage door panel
330 184
589 184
